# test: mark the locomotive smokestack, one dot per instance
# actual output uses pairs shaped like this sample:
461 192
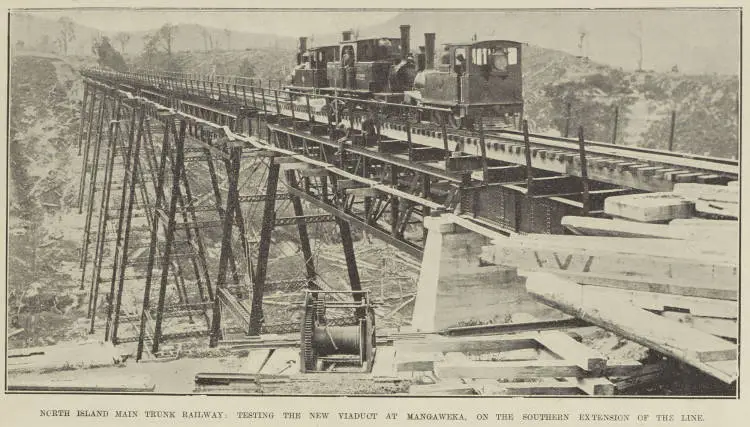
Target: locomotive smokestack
429 51
346 35
302 44
405 29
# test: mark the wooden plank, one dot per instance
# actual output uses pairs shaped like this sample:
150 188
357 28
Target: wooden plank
100 384
704 223
468 344
75 356
511 370
256 359
544 387
677 260
707 192
725 328
282 361
454 387
649 284
384 362
663 302
704 250
730 210
571 350
588 226
671 338
596 386
648 374
649 207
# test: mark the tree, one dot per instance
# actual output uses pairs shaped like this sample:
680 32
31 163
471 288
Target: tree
167 33
208 40
158 50
150 49
108 56
582 33
123 39
638 36
228 33
67 33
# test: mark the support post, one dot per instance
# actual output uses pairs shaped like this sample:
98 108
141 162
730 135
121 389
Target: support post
84 163
350 258
92 189
104 215
177 169
304 237
527 152
671 130
584 172
444 133
153 245
394 202
614 126
256 309
483 150
132 167
83 117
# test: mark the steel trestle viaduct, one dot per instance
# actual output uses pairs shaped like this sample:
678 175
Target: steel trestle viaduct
370 165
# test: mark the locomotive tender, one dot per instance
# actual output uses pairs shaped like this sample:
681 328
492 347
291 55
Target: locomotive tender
473 79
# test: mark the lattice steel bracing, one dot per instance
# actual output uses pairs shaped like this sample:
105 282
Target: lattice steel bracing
130 198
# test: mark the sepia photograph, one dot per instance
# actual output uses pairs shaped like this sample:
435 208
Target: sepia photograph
373 202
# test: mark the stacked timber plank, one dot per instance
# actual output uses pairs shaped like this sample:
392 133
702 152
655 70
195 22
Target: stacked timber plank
662 272
545 362
684 201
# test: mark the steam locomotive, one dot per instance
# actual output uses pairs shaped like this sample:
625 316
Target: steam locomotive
473 79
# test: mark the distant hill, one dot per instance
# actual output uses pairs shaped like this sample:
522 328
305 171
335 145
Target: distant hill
41 33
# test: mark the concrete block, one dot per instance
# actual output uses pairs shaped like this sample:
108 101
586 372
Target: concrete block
651 207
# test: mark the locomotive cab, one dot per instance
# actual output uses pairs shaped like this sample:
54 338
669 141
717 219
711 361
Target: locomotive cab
311 71
476 79
365 64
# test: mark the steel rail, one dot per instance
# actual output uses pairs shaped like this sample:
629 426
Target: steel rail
683 160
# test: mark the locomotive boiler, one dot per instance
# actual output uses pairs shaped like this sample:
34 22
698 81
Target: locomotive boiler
474 79
477 79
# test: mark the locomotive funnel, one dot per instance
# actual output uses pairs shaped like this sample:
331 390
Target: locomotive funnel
405 30
302 44
429 51
346 35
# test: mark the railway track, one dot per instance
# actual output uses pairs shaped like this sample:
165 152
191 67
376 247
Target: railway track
635 167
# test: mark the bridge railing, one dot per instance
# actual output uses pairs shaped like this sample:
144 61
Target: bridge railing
251 92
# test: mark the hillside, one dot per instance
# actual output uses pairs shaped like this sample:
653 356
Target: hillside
706 107
264 64
42 34
43 297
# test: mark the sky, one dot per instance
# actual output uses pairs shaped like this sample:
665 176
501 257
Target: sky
277 22
698 41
